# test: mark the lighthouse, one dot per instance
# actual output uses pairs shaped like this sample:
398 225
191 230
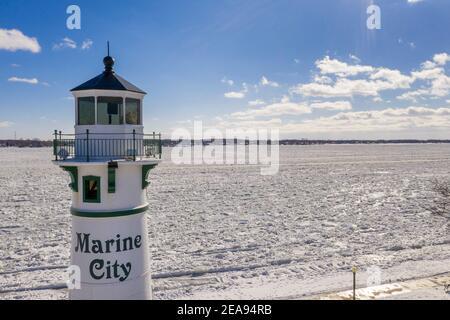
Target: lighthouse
108 159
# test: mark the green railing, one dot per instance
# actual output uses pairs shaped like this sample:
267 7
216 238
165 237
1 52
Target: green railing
106 146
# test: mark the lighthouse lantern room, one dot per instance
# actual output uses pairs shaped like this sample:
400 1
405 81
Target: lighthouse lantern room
108 159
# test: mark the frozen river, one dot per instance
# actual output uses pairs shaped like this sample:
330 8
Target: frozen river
229 232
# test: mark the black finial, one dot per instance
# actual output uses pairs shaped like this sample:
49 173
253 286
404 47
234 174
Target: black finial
108 61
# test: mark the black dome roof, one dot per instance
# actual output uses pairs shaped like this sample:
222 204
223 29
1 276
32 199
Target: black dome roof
108 80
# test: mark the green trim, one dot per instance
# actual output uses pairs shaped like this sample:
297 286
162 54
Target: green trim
111 180
108 214
145 170
97 196
73 172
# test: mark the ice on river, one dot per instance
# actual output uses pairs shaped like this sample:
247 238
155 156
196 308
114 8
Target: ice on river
229 232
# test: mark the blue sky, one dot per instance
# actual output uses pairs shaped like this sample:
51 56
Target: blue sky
310 68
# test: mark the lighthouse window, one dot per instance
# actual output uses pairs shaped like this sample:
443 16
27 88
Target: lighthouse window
133 111
91 189
86 111
109 110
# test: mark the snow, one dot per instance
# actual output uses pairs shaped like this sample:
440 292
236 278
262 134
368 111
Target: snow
229 232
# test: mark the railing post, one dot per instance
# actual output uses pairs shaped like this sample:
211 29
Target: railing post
87 145
160 146
134 145
55 142
153 145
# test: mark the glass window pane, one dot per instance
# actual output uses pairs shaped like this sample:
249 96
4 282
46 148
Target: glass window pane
91 189
109 110
133 111
86 111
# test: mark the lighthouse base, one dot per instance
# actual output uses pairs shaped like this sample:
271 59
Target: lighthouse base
111 254
135 289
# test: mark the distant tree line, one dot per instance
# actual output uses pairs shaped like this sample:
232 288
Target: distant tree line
34 143
171 143
380 141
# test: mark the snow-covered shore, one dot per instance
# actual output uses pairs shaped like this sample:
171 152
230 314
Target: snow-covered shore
228 232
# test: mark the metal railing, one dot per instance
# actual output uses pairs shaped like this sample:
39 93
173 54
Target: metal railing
106 146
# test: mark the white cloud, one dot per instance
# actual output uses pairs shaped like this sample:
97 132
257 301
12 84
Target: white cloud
297 61
439 85
339 68
413 95
5 124
227 81
24 80
322 79
87 44
414 1
15 65
354 58
237 94
371 82
234 95
257 102
411 44
403 119
427 73
13 40
328 105
266 82
337 79
433 73
65 43
342 88
394 77
428 65
348 88
441 58
410 122
284 107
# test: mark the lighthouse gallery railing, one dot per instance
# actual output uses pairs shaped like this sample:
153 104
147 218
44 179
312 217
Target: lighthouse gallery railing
106 146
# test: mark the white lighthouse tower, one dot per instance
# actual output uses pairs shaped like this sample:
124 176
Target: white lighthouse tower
108 159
